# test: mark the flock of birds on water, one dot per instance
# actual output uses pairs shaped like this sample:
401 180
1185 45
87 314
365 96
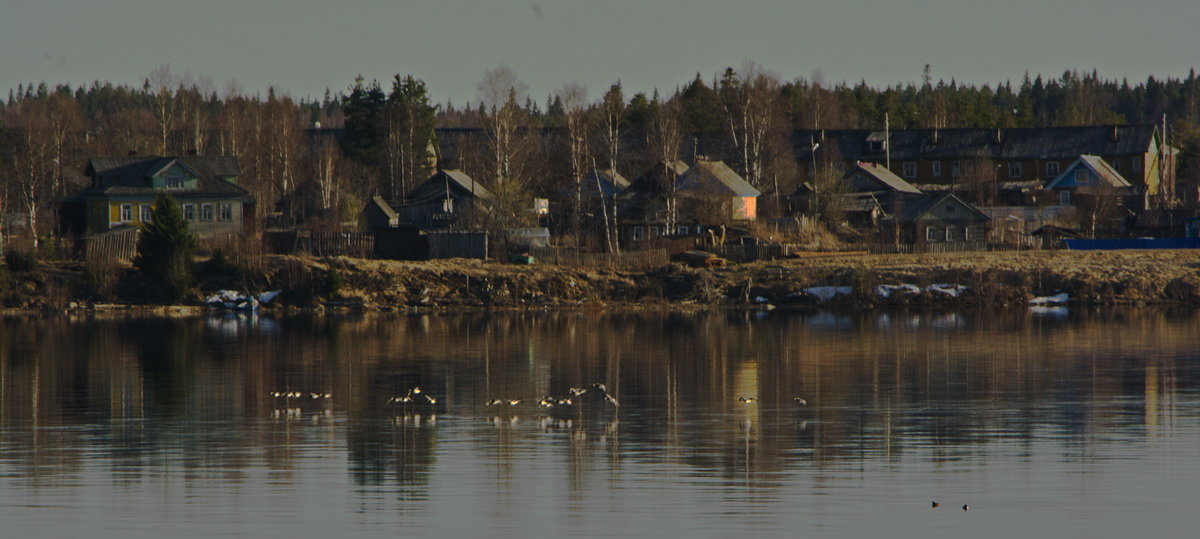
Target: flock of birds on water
597 394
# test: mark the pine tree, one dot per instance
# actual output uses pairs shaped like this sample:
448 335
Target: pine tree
165 250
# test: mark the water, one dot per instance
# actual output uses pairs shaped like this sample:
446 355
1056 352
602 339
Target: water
1050 423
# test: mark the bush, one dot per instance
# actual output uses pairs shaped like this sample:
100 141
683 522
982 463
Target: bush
21 260
332 283
165 250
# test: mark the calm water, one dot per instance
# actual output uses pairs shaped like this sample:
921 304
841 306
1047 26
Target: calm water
1047 424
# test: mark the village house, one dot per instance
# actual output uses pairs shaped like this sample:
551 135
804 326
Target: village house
707 194
940 218
1002 157
441 201
122 192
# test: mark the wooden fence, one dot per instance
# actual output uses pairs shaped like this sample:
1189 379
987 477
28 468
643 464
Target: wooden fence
950 247
110 246
318 243
647 259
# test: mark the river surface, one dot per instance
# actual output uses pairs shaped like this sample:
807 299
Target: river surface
1047 424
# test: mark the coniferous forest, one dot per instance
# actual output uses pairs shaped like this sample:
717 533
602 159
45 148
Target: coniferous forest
316 161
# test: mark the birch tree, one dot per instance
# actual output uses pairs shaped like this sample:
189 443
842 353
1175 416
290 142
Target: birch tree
750 101
663 139
612 118
573 98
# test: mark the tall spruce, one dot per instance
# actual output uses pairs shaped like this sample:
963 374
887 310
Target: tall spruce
165 250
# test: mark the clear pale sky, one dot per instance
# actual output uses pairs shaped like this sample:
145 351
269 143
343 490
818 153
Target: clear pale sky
305 46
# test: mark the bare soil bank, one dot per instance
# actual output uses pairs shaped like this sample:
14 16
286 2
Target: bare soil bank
991 279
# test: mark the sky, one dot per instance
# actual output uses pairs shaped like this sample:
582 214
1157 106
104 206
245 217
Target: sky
303 47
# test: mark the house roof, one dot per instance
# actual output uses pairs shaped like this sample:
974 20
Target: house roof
1012 143
133 175
716 176
1099 168
384 207
887 179
448 183
919 207
610 183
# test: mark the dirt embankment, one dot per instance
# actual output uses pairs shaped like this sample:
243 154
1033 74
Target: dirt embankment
1127 277
983 279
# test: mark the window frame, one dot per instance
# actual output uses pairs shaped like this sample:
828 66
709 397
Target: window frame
935 234
189 212
1053 169
1064 198
225 211
639 233
125 213
206 212
145 213
935 169
1014 169
909 169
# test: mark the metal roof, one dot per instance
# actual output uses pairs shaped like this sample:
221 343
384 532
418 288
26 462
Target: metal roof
133 175
716 176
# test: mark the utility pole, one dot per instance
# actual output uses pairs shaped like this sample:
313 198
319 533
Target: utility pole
887 141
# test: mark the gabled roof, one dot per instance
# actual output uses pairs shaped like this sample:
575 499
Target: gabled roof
133 175
716 176
609 182
448 183
886 179
919 207
1099 168
383 207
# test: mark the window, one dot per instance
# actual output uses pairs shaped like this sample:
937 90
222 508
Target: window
975 233
206 212
683 230
146 213
875 145
189 212
126 213
910 170
954 233
935 234
1064 198
1052 169
936 168
654 232
955 168
639 233
225 211
1014 169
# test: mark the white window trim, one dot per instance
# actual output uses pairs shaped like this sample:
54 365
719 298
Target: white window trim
225 211
639 233
206 212
145 213
1064 198
936 168
125 213
189 209
933 233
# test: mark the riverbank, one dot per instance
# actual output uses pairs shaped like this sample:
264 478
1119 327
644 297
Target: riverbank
840 282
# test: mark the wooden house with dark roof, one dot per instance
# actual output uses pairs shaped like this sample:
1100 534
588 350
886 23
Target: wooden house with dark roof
941 218
122 192
442 200
952 156
708 193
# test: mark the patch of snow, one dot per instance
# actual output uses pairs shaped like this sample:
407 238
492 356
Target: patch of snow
952 290
826 293
1057 299
268 297
887 290
760 299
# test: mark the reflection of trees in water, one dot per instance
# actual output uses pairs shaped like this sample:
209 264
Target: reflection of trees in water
878 386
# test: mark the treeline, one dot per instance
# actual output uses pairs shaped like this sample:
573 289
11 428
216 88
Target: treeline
380 138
